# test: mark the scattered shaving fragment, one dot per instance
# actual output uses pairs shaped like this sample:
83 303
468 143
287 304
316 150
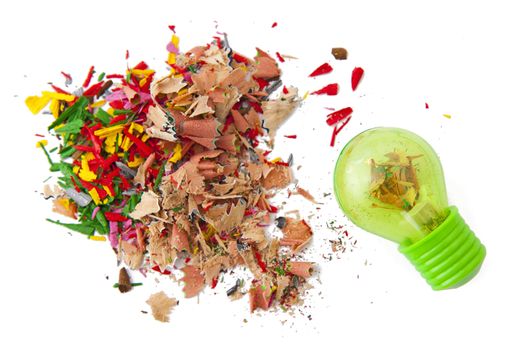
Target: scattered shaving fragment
339 53
302 192
325 68
357 74
161 306
330 90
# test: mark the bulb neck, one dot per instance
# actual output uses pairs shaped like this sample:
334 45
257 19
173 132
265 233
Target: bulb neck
449 256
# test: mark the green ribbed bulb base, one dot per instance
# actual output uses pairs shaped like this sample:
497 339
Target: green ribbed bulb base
449 256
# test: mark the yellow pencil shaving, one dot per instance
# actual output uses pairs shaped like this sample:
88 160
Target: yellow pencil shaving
64 202
142 72
126 144
97 238
110 143
94 194
177 153
99 103
179 108
85 172
275 160
41 143
54 108
305 96
448 116
172 57
136 162
137 127
37 103
120 139
108 191
175 40
210 231
58 96
105 132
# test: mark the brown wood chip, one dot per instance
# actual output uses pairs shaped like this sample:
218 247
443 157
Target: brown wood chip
339 53
124 283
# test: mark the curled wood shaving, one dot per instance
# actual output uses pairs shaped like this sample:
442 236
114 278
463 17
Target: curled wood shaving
149 204
199 106
167 85
296 234
160 134
157 116
278 176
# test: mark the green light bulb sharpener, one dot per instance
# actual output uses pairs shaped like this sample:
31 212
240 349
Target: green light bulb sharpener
389 182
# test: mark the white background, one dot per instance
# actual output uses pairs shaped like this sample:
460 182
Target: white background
463 58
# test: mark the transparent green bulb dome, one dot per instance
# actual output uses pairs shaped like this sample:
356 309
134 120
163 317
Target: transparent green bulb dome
390 182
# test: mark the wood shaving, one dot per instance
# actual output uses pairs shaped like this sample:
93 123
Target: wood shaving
276 112
149 204
167 85
194 281
124 282
339 53
301 268
278 176
302 192
297 234
161 306
199 106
